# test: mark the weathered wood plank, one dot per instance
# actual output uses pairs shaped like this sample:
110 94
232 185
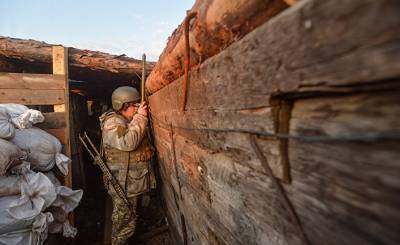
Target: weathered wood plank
345 192
349 187
229 197
348 116
53 120
268 61
32 96
31 81
60 67
222 186
217 24
40 52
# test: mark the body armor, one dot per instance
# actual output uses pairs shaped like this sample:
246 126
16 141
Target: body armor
131 168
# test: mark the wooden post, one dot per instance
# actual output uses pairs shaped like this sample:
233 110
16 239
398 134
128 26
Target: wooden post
60 67
143 77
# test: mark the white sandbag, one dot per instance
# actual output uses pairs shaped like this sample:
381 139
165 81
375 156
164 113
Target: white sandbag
37 194
60 223
69 230
22 116
62 162
52 177
23 168
60 216
34 234
67 199
44 149
7 129
10 155
11 185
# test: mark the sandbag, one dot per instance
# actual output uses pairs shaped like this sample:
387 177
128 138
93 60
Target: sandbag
10 155
44 150
60 223
7 129
53 178
34 234
19 213
11 184
21 116
67 199
37 194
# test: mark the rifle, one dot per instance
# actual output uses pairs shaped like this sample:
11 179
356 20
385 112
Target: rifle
104 167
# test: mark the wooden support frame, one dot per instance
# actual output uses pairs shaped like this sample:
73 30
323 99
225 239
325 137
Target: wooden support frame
60 67
44 89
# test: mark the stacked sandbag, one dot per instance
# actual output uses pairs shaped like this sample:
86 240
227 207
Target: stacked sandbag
44 150
10 155
7 128
21 116
32 200
66 201
23 216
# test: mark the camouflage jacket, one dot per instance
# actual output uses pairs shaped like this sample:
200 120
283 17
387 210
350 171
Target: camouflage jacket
127 152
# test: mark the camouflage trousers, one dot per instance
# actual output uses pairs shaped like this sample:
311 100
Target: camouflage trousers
123 220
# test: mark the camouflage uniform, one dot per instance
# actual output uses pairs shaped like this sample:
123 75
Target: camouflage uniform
128 155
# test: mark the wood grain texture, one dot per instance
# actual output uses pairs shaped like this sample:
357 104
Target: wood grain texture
218 24
31 81
53 120
320 68
60 61
32 96
41 52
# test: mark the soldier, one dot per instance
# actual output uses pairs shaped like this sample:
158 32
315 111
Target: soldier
128 153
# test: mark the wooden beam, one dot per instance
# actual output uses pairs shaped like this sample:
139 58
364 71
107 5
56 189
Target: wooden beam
271 61
60 67
343 192
81 60
218 24
32 96
53 120
31 81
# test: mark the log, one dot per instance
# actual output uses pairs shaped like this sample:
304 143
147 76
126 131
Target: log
341 83
218 24
272 61
39 54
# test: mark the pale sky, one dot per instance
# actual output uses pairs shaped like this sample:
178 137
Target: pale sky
117 27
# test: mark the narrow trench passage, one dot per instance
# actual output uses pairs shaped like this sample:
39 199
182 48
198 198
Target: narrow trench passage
93 216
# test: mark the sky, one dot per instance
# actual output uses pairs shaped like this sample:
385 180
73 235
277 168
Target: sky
116 26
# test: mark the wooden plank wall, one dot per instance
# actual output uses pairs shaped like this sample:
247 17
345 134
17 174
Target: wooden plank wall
44 90
328 70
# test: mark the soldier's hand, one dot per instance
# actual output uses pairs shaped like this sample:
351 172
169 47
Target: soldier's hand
142 109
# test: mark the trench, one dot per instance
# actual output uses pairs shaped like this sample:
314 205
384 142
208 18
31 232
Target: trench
93 215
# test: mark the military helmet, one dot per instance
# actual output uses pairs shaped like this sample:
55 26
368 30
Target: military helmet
123 95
